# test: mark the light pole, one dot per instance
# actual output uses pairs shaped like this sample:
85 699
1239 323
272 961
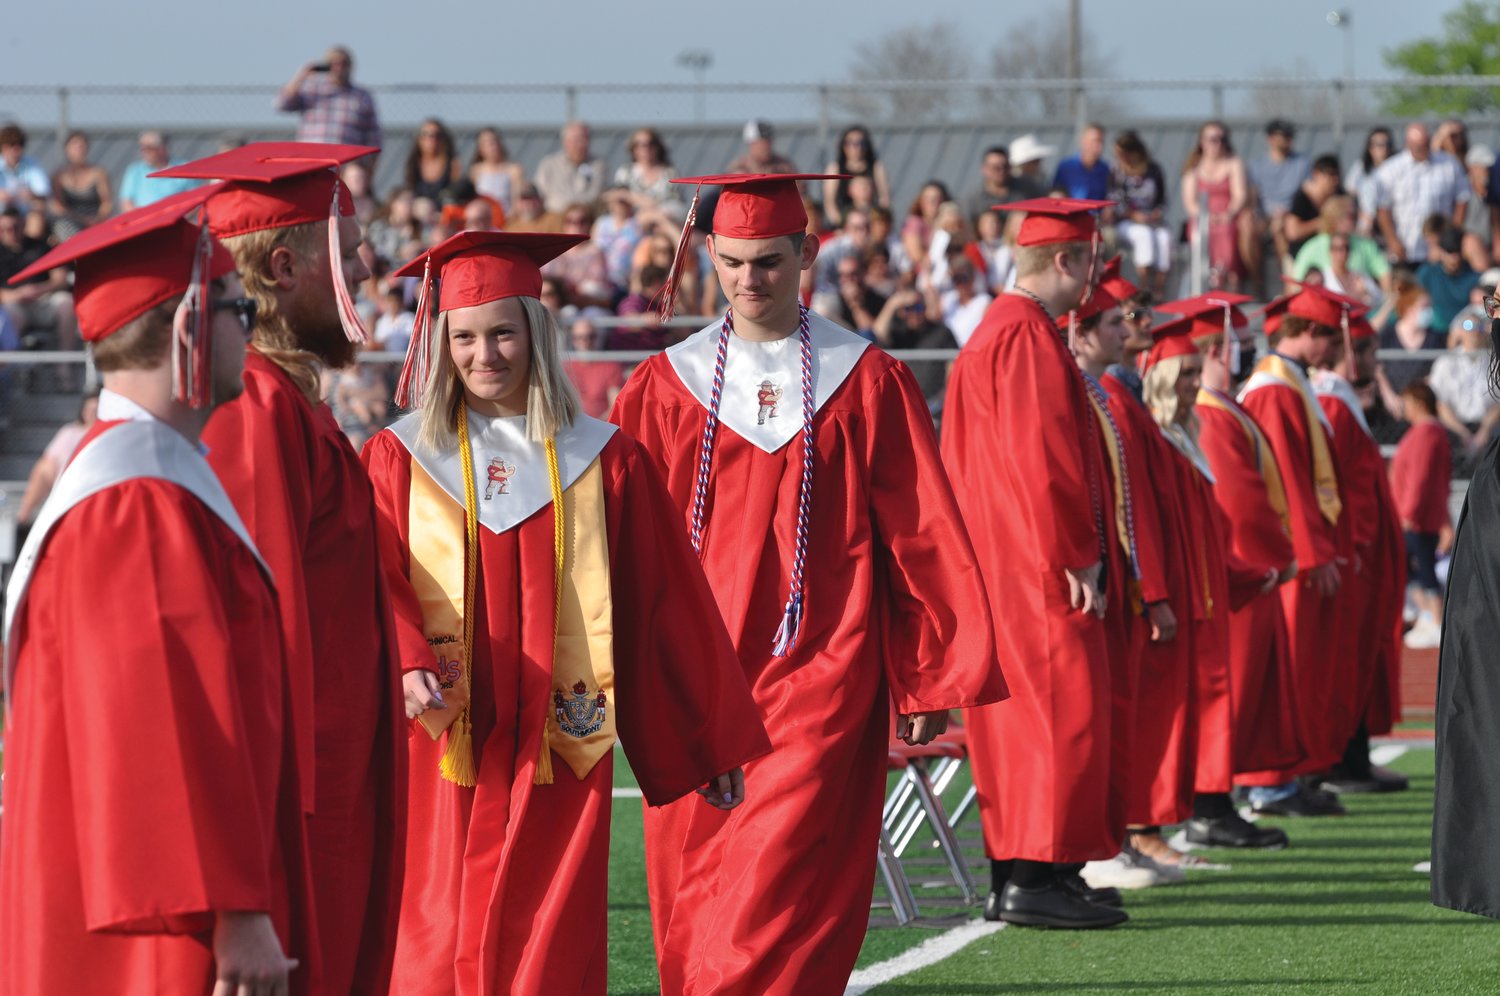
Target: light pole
698 60
1343 20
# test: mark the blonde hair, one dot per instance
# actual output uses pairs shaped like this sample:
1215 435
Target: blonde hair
551 400
273 336
1031 260
1335 210
1159 389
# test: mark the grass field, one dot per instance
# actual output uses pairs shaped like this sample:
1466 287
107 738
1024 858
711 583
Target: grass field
1339 912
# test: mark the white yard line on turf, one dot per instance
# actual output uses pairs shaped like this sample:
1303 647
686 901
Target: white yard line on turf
1386 754
929 952
626 793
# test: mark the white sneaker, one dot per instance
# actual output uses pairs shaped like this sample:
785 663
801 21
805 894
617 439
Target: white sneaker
1422 867
1120 872
1170 874
1425 635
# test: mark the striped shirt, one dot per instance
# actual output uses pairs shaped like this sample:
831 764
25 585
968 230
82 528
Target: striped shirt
330 113
1415 190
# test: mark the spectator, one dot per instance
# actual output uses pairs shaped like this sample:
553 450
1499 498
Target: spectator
1337 217
1452 137
492 171
333 109
432 166
356 177
554 296
1340 276
858 303
1412 185
616 234
856 158
649 174
648 283
1420 476
1448 279
996 185
880 275
852 241
1026 158
1359 180
1275 177
481 215
1303 219
43 303
921 222
1215 173
570 175
883 232
54 458
359 399
1139 187
861 194
1405 322
137 187
965 303
1460 378
393 228
23 182
597 382
904 323
529 216
997 251
582 268
80 190
1085 175
393 327
760 155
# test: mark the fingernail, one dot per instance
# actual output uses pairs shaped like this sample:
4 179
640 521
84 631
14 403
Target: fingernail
728 797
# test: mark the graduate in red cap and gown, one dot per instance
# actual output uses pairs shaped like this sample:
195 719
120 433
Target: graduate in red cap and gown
1280 398
833 544
1022 444
299 485
153 839
1371 606
546 608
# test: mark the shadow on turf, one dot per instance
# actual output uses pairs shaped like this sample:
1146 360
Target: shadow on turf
1207 985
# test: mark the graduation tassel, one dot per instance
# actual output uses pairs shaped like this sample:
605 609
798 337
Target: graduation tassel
791 616
354 329
192 333
666 302
414 368
1349 372
457 762
559 553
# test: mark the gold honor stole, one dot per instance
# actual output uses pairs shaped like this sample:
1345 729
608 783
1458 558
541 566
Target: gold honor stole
580 724
1265 460
1117 468
1325 478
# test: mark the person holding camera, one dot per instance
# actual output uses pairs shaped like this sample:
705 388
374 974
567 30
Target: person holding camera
333 109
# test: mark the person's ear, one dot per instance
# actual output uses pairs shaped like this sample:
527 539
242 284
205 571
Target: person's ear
810 246
708 242
282 266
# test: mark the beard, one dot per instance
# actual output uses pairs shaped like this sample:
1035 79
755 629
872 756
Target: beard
308 324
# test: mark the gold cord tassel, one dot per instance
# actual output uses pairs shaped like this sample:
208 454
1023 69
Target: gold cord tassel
559 550
457 764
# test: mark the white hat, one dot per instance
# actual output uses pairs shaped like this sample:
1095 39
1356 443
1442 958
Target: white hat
1490 277
757 128
1480 155
1027 149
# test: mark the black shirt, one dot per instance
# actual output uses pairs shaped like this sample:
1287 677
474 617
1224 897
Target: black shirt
14 260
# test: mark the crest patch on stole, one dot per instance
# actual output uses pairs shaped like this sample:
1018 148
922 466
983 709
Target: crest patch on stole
579 713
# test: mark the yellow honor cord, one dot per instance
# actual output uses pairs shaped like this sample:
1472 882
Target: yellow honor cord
559 553
457 764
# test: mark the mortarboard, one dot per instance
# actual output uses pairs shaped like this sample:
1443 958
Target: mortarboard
1056 219
1097 304
129 264
1272 314
1169 340
277 185
472 268
1119 288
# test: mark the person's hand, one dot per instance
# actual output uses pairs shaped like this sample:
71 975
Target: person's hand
726 791
1083 589
1163 622
1273 578
1324 579
1287 573
1445 540
919 728
248 960
422 692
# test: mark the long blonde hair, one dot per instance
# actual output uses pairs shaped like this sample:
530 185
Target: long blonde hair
274 336
1159 388
551 400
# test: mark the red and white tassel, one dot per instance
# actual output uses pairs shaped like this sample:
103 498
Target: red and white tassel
192 333
354 329
1073 332
1231 341
414 369
666 301
1349 372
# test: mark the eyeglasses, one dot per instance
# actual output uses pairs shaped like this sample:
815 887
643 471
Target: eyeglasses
244 308
1491 306
1139 314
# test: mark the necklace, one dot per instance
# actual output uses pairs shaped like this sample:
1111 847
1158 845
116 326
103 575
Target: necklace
1018 289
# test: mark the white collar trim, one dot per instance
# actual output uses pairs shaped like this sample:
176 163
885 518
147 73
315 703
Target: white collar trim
510 471
762 399
1327 384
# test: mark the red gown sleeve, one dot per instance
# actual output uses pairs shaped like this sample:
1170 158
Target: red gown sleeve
683 707
167 800
1134 422
1282 417
1357 484
939 646
1257 535
389 466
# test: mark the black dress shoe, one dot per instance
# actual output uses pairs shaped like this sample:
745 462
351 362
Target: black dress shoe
992 907
1303 803
1106 896
1055 906
1234 831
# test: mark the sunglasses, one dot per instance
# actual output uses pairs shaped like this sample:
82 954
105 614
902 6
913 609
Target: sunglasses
244 308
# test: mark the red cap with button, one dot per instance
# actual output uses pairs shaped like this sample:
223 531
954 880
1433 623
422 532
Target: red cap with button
1171 339
1052 220
1119 288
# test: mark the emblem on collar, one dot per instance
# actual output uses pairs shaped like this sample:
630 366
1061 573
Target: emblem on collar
767 396
499 477
580 713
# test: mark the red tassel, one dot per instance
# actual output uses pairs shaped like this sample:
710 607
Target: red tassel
354 329
414 367
192 334
666 300
1348 345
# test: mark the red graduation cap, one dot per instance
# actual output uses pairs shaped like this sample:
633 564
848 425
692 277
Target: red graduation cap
1056 219
472 268
131 263
752 206
1319 304
1110 280
277 185
1098 303
1168 340
1272 314
1360 327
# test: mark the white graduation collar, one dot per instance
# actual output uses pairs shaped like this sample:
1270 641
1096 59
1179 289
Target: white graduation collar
748 365
510 471
1263 378
1184 444
1327 384
118 408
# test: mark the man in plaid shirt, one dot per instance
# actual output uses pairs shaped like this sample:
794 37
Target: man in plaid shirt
333 109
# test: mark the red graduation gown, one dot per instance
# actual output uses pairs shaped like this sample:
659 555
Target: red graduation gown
1261 692
1370 612
150 774
298 485
774 897
1311 632
1163 724
1020 445
506 882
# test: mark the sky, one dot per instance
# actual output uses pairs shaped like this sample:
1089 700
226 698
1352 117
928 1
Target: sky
592 41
